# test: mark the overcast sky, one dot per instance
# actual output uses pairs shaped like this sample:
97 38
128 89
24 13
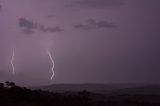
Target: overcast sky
91 41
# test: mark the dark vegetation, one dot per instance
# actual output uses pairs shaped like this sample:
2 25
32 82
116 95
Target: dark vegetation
13 95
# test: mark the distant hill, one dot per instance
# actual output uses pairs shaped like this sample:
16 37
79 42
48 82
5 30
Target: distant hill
89 95
77 87
144 90
104 88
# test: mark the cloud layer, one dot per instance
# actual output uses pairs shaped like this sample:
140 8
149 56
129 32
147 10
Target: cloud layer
29 27
92 24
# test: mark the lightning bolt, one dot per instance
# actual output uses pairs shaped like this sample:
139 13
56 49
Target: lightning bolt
12 60
50 56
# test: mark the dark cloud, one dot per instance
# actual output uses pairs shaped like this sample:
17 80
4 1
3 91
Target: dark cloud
24 23
101 24
29 27
92 24
96 3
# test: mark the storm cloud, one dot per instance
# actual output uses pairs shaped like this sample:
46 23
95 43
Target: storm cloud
96 3
29 27
92 24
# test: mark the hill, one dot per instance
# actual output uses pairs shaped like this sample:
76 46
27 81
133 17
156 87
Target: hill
13 95
104 88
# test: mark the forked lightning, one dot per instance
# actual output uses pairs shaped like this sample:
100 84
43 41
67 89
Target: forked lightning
12 61
50 56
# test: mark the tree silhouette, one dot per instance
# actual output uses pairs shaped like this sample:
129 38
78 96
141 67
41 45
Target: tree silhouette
1 85
13 95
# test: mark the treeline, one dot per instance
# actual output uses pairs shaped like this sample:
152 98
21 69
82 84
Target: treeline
13 95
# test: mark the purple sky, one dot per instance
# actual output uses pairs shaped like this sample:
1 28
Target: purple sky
92 41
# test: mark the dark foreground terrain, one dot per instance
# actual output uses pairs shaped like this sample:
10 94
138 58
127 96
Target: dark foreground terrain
12 95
